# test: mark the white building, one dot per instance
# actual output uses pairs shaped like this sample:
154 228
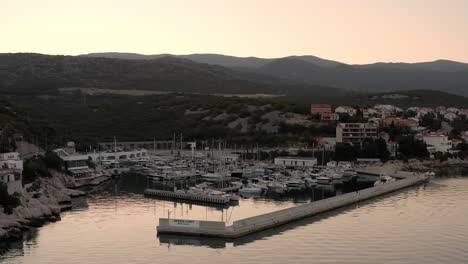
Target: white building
452 110
450 116
437 142
295 161
77 163
11 168
11 160
345 110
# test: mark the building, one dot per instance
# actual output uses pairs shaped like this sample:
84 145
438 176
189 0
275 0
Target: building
355 132
11 160
456 142
345 110
400 122
436 142
328 143
329 117
295 161
77 163
392 147
365 113
318 109
450 116
11 169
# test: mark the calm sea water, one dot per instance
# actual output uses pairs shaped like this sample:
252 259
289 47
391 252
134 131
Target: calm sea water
424 224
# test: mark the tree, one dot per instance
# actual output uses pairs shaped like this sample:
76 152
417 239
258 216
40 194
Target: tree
345 152
53 161
7 201
7 142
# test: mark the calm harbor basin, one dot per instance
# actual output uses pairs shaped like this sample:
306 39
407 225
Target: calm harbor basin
117 224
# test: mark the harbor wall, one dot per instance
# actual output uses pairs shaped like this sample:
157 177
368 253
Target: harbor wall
265 221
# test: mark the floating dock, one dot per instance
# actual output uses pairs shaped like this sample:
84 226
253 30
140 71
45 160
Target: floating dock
257 223
187 196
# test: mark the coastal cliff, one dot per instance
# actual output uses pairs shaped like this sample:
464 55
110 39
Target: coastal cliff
41 202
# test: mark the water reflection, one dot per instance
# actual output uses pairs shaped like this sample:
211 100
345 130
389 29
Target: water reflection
116 225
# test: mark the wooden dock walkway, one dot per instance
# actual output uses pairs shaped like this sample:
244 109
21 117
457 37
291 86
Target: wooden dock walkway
187 196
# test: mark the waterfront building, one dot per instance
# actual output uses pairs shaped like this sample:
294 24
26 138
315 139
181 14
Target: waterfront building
295 161
77 163
355 133
436 142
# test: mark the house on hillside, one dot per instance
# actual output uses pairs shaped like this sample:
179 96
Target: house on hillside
345 110
329 117
400 122
11 169
318 109
450 116
365 113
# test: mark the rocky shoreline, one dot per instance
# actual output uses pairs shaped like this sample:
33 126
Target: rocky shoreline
43 204
412 166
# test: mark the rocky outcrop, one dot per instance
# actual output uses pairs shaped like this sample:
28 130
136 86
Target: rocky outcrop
38 205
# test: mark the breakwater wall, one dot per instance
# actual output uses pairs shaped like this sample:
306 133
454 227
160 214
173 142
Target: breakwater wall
261 222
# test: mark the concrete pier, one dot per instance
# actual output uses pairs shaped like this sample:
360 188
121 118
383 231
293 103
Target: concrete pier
187 196
257 223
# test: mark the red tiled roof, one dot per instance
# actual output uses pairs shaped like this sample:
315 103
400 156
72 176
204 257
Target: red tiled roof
347 107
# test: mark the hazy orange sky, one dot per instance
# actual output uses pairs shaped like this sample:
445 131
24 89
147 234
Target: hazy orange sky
351 31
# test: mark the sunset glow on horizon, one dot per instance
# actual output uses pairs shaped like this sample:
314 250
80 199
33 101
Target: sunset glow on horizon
355 32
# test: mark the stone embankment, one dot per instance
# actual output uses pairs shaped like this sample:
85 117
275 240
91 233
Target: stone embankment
40 203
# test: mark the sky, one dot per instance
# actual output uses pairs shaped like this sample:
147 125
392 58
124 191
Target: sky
350 31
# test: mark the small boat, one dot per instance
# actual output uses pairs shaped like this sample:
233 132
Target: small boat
250 190
324 180
277 187
294 185
430 174
231 196
384 179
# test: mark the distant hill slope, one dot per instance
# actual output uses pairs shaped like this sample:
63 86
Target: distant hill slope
442 75
36 73
216 59
376 78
